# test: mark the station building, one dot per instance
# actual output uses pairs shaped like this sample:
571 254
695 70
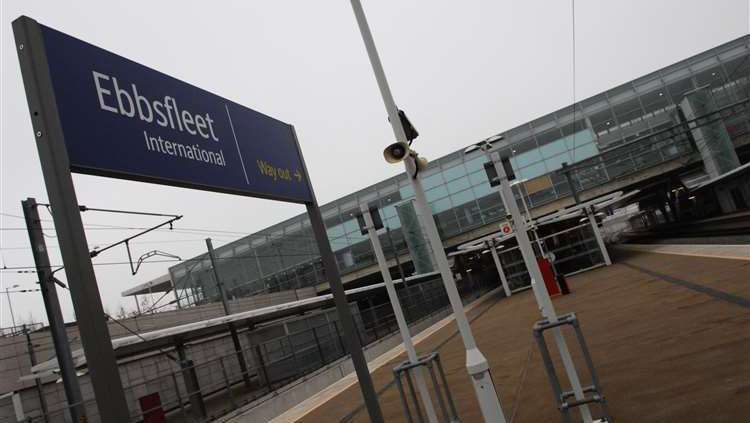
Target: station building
641 134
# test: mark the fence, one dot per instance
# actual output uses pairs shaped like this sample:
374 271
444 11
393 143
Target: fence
195 382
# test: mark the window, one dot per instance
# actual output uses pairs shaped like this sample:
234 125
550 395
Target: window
713 76
406 192
462 197
454 172
458 185
477 178
436 193
554 163
475 164
440 205
678 89
528 158
533 170
584 152
483 189
548 136
553 149
432 181
602 121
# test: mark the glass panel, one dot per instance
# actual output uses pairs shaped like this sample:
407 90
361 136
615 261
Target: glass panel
458 185
436 193
527 158
475 164
553 149
679 88
477 178
440 205
554 163
483 189
454 172
585 151
335 231
548 136
351 226
432 181
584 137
406 192
388 211
533 171
462 197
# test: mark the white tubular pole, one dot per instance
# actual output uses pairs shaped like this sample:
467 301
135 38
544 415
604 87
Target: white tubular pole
476 363
537 281
403 328
598 236
498 265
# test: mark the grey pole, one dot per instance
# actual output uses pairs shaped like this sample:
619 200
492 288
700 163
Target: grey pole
87 303
54 313
227 311
333 276
37 382
10 307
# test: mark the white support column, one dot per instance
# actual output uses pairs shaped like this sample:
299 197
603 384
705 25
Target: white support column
598 236
537 281
403 327
496 258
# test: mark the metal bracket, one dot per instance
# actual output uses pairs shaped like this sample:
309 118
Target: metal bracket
566 399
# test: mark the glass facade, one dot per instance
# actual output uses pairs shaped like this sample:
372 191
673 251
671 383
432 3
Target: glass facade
624 130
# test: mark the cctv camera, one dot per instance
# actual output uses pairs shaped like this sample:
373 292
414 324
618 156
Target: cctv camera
396 152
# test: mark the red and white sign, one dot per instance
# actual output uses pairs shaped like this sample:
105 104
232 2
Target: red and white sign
506 228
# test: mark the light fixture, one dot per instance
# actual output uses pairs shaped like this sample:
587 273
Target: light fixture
661 94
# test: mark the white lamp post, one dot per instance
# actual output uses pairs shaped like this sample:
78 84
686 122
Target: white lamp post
476 364
537 281
403 328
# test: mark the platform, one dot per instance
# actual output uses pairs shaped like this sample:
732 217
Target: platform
668 333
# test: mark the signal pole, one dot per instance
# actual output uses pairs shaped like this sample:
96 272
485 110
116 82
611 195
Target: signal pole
403 327
54 313
476 363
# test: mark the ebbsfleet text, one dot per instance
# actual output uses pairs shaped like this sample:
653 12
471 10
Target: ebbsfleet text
128 102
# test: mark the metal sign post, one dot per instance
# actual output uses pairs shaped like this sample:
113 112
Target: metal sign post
403 327
99 113
476 363
54 313
92 326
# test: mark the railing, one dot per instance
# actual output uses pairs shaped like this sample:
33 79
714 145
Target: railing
211 383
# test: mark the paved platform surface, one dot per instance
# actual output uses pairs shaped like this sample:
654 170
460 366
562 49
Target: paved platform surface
669 334
729 251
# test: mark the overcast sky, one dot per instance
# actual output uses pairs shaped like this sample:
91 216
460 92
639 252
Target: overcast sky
463 71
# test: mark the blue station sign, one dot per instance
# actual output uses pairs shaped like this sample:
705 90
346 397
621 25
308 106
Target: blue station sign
125 120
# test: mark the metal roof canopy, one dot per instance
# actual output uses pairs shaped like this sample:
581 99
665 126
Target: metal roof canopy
576 210
165 338
734 173
161 284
